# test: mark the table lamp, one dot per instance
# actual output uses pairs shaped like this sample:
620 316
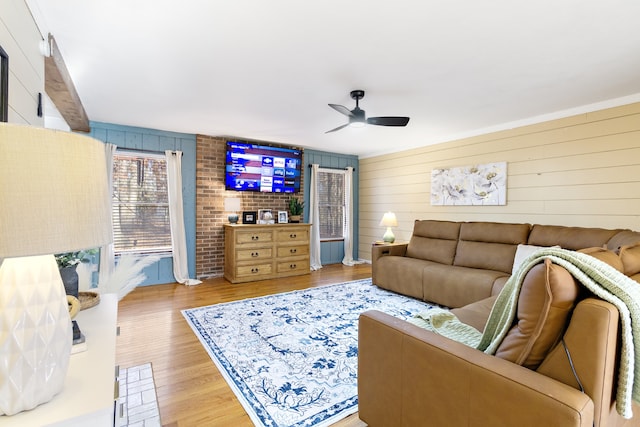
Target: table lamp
232 204
53 199
389 220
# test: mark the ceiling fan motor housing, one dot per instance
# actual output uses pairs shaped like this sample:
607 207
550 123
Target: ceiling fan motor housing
357 94
358 116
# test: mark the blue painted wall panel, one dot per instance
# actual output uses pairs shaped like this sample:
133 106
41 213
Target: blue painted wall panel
159 141
333 252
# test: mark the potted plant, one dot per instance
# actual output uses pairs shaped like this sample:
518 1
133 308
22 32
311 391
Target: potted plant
295 209
67 264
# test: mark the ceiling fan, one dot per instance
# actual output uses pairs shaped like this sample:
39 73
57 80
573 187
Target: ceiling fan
357 116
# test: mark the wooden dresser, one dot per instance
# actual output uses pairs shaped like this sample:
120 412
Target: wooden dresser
257 252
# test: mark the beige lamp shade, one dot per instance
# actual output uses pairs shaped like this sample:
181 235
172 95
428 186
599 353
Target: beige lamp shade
232 204
53 199
53 192
389 220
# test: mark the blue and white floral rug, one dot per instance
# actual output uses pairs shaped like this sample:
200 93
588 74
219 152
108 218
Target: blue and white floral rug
292 358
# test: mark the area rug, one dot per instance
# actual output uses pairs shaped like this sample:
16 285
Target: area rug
291 358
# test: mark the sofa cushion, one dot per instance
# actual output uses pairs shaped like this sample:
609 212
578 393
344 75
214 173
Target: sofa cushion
573 238
401 274
489 245
623 238
434 241
630 257
606 256
455 286
476 313
546 299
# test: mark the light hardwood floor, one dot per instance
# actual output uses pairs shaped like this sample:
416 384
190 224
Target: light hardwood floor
190 389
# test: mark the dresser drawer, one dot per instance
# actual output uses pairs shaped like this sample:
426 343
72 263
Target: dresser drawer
294 266
254 270
244 237
289 251
293 235
257 254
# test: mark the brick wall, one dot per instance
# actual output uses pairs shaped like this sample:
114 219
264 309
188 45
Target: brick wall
210 195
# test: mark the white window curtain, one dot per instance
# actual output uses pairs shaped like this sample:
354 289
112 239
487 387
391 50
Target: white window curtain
107 256
314 219
176 219
348 218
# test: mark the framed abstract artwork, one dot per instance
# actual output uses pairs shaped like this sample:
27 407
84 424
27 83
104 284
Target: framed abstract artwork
482 185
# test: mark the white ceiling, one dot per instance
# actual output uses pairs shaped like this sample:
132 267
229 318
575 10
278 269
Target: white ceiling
266 70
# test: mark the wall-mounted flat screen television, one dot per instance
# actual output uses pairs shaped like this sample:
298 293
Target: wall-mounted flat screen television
253 167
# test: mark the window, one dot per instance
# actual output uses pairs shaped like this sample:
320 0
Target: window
140 207
331 204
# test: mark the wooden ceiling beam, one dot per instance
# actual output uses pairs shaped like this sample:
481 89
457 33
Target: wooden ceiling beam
60 88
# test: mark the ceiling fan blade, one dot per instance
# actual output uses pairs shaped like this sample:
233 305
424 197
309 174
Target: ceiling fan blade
341 109
338 128
388 121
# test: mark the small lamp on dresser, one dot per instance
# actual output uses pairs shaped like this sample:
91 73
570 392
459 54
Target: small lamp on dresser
389 220
232 204
53 199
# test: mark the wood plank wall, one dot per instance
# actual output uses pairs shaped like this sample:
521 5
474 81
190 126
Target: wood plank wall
582 171
20 38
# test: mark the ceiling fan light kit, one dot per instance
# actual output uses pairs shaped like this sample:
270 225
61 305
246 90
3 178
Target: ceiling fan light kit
357 117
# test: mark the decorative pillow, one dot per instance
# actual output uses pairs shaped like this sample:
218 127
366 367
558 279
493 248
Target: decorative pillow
522 252
606 256
630 256
545 302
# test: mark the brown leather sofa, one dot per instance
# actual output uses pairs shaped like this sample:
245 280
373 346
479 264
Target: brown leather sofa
409 376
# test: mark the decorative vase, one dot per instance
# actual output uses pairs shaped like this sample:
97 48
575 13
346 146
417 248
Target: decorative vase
35 342
294 218
70 279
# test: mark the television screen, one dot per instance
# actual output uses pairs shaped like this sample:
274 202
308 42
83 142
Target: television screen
252 167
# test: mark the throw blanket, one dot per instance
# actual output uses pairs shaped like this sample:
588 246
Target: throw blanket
600 278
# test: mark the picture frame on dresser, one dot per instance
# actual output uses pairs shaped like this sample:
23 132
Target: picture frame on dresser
283 217
249 217
265 216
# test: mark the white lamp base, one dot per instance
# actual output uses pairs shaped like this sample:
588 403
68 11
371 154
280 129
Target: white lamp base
388 236
34 354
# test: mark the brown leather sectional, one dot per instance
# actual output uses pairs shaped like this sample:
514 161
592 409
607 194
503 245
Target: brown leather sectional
409 376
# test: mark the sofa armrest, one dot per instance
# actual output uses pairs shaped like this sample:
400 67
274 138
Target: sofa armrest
379 251
395 249
408 376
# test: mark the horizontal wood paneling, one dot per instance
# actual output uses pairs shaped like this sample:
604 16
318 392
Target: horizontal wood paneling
20 38
582 170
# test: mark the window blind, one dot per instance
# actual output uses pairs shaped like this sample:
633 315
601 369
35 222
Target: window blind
331 204
140 207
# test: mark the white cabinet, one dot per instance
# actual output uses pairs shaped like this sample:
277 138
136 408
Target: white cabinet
88 396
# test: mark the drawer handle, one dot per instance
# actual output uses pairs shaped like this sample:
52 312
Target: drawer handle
255 237
255 270
293 251
292 266
293 236
255 254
